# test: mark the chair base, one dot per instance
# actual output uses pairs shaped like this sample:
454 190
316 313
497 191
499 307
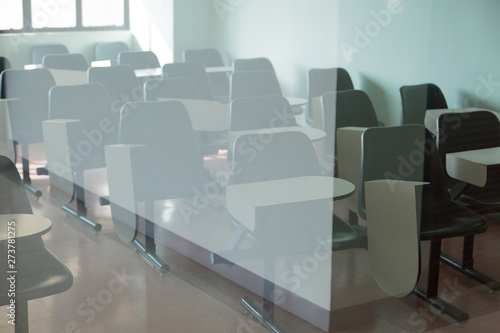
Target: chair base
151 257
42 171
22 321
216 259
471 272
258 313
353 218
238 236
34 191
104 200
458 190
441 305
26 176
96 226
296 110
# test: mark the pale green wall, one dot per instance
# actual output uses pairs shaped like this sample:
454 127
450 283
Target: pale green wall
450 42
192 25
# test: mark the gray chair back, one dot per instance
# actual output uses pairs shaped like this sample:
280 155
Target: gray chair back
210 58
38 51
249 113
194 71
109 51
322 80
138 59
179 87
74 61
254 84
32 88
417 99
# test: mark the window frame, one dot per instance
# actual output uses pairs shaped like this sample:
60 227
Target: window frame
28 27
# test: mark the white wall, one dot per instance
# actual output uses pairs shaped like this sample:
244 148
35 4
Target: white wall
449 42
152 27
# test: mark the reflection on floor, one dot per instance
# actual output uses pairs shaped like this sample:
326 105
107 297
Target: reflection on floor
115 290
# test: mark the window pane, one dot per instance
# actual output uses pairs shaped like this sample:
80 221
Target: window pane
11 15
98 13
53 13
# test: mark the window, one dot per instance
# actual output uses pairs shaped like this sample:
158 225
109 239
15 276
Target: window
98 13
61 15
53 14
11 14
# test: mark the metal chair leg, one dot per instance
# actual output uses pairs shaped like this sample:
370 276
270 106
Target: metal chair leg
148 248
81 210
430 295
467 265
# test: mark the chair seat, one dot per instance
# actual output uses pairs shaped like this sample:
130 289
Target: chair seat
462 223
481 204
211 142
488 209
345 236
313 217
39 274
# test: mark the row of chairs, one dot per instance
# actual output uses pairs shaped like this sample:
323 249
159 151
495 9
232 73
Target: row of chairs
415 99
437 216
57 56
218 82
33 86
64 98
77 61
120 81
329 101
441 217
320 81
354 108
102 51
289 144
381 153
159 174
